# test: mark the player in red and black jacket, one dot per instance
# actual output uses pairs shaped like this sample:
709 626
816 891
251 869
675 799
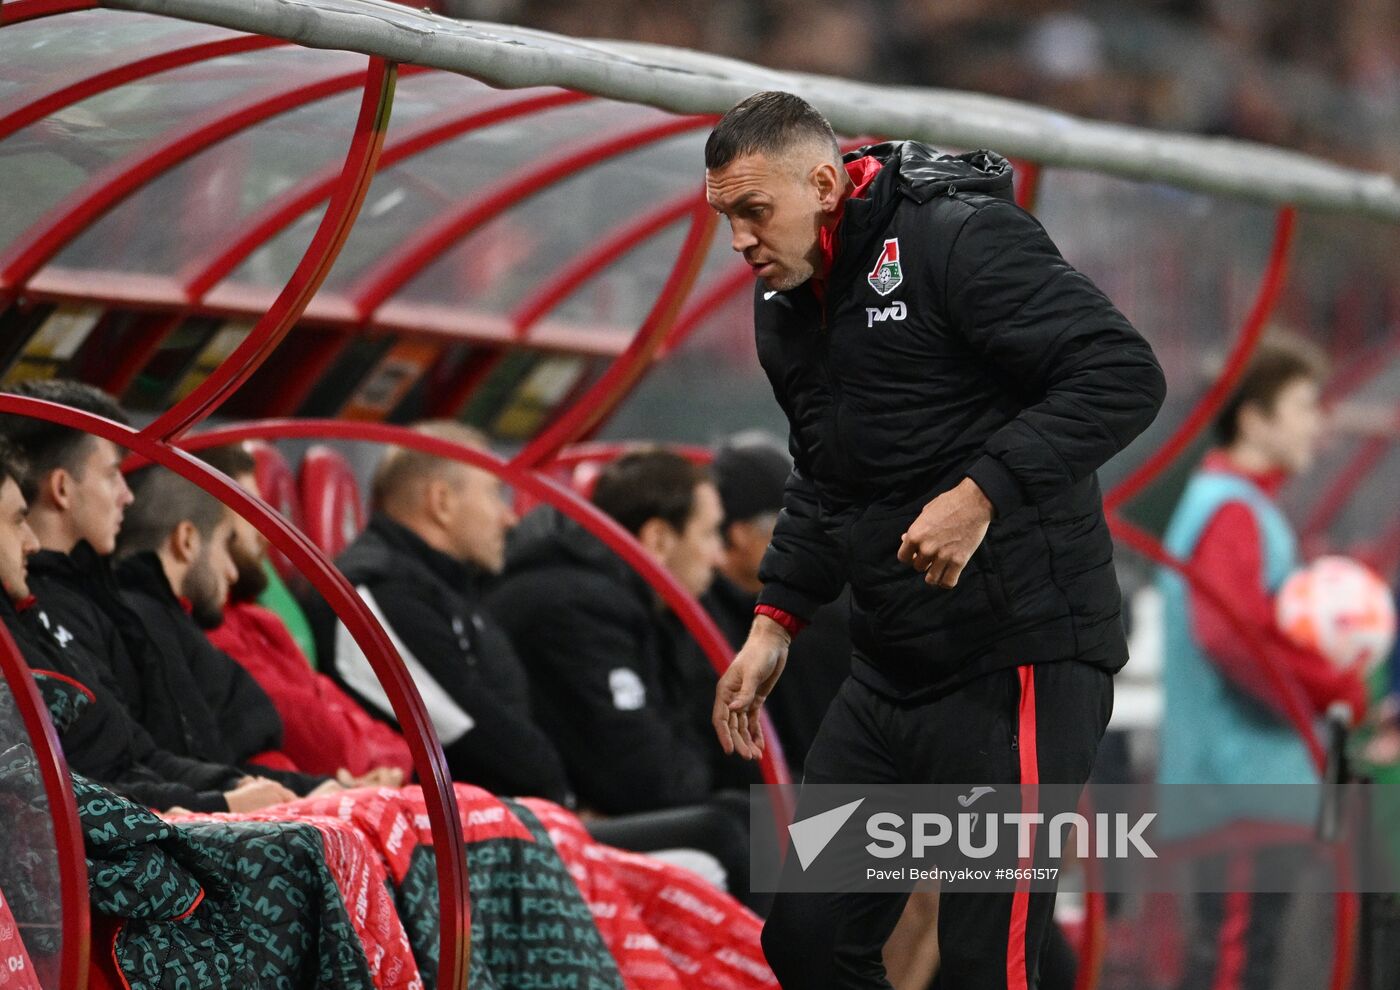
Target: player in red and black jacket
951 386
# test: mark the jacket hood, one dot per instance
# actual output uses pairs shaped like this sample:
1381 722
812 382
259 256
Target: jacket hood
548 538
386 547
81 564
143 573
921 172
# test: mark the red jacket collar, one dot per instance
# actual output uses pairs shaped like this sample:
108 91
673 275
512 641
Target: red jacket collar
1268 482
862 172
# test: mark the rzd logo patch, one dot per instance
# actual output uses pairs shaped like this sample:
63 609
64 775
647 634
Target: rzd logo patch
878 314
887 276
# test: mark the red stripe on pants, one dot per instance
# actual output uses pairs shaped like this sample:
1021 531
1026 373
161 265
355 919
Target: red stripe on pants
1233 930
1016 978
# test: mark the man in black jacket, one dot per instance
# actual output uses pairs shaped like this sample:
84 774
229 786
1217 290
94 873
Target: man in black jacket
104 743
438 529
951 386
174 569
616 684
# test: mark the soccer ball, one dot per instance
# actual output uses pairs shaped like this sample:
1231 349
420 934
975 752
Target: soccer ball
1341 609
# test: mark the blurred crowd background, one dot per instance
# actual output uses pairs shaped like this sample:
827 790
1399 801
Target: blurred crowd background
1321 76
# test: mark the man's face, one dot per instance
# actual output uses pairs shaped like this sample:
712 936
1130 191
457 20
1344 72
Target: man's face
747 542
480 517
17 541
775 208
98 495
1289 433
248 549
694 556
211 574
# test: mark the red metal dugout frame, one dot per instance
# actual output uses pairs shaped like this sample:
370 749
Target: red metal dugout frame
1270 287
315 264
48 235
74 934
428 759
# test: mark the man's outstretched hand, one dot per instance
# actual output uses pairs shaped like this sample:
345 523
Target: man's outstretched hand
949 530
745 686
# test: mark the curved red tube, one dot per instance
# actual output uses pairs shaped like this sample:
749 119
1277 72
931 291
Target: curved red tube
310 272
412 716
19 11
710 299
203 273
585 415
48 235
401 265
101 82
75 933
605 250
1270 287
1028 189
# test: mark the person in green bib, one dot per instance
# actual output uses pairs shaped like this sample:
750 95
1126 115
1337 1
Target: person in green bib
1225 721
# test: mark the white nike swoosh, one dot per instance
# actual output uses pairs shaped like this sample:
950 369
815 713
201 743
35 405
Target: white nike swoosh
769 295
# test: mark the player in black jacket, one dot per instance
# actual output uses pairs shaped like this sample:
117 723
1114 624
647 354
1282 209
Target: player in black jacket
617 687
951 385
193 703
437 532
104 743
174 569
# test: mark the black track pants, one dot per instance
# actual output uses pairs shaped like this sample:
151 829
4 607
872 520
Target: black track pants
1039 722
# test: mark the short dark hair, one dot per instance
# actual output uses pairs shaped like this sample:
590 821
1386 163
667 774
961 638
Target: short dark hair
46 447
12 466
232 459
767 123
1276 364
402 467
649 484
163 500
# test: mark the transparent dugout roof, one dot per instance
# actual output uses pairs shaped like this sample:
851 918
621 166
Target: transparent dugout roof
186 159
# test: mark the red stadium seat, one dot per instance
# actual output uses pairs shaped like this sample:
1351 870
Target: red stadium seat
278 487
330 499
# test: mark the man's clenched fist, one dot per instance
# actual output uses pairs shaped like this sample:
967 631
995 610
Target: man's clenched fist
949 530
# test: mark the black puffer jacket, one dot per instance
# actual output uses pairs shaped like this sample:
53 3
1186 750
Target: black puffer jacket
952 341
245 723
79 603
603 664
472 682
105 743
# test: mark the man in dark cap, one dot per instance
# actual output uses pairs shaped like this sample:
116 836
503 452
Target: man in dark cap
751 470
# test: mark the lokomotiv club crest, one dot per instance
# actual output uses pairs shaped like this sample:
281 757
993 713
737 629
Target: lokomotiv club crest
886 276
